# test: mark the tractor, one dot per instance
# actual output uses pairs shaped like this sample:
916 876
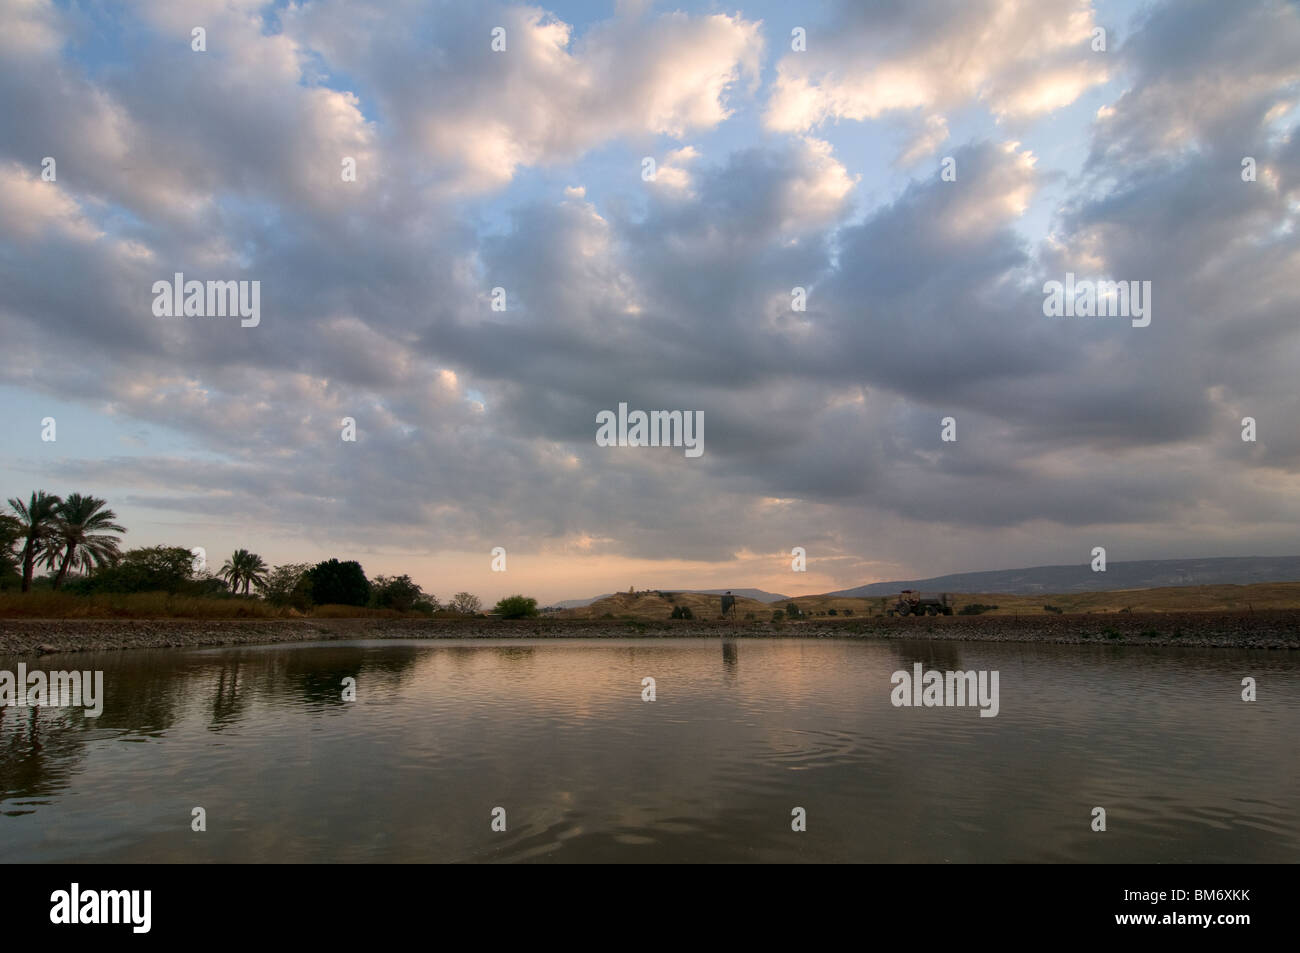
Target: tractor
912 602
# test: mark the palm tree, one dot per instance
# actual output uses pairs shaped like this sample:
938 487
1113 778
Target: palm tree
244 568
36 520
79 530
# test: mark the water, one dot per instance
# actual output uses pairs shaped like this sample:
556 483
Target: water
740 734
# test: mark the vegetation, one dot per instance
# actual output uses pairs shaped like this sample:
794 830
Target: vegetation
516 607
36 529
243 568
288 586
76 539
463 603
338 583
1057 609
401 594
80 536
975 608
10 533
682 612
167 569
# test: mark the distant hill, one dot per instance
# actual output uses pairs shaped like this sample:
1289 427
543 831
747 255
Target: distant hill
1139 574
758 595
651 606
579 603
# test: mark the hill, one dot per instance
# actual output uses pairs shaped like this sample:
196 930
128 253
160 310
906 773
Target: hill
756 594
657 605
1140 574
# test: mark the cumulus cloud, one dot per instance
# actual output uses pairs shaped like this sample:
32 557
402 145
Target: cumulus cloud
475 426
548 96
920 60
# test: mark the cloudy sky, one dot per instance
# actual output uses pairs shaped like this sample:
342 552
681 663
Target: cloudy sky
776 169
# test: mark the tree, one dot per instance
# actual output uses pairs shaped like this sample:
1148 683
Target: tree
288 585
516 607
11 532
148 569
400 593
792 611
243 568
81 525
336 583
36 520
465 604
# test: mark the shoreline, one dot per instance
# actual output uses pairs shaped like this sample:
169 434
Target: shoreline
1272 629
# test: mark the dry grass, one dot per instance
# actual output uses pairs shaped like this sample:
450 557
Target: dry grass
138 605
159 605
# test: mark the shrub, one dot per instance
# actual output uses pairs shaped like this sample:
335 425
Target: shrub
339 583
516 607
1055 609
832 612
149 569
975 608
778 615
792 611
400 593
465 603
288 585
682 612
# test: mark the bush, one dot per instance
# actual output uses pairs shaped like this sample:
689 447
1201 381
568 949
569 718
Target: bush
1055 609
150 569
792 611
288 585
778 615
516 607
464 603
682 612
975 608
848 612
336 583
400 593
832 612
10 535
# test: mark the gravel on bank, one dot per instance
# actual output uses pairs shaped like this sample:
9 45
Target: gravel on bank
1273 629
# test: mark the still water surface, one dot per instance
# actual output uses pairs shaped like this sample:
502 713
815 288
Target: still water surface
741 732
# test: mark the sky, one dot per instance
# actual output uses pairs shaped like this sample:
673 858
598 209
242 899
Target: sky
921 170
